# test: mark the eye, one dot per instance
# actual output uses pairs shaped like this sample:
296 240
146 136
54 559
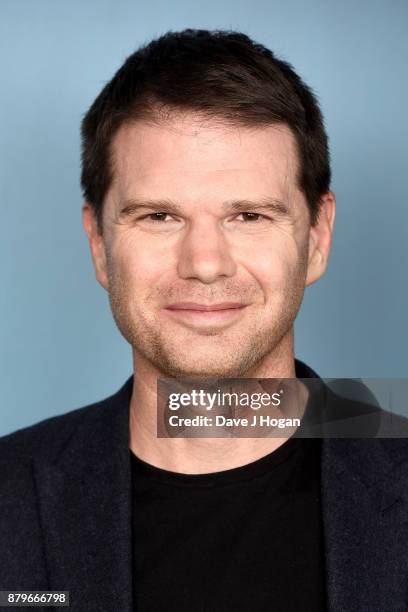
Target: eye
159 222
157 217
251 217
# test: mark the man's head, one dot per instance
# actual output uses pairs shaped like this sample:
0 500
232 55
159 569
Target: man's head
206 177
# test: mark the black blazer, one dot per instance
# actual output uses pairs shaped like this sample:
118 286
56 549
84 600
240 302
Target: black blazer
65 513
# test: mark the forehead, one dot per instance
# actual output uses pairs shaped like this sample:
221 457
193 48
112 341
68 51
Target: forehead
189 158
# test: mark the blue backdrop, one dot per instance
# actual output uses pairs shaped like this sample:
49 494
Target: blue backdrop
60 348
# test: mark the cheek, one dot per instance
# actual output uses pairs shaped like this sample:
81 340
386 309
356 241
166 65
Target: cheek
139 264
276 263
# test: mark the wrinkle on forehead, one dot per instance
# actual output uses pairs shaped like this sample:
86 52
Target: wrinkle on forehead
192 160
192 134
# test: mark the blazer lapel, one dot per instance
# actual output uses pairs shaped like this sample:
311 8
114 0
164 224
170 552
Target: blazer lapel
85 509
364 501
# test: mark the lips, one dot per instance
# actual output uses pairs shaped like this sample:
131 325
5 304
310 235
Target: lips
194 306
205 318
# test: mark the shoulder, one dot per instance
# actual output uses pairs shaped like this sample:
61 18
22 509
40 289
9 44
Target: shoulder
66 445
47 439
364 438
44 437
349 409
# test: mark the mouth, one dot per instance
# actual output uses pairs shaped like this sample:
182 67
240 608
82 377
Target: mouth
195 314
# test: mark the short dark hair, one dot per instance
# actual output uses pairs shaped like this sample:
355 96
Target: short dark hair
219 74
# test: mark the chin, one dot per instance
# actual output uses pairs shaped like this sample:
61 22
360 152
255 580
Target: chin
203 372
212 366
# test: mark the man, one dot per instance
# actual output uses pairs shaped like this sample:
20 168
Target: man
208 210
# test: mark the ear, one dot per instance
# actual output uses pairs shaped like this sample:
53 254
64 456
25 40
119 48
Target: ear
320 238
96 243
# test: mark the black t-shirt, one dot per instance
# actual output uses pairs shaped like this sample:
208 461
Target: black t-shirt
248 538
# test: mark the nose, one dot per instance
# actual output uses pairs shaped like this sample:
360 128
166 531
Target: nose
205 253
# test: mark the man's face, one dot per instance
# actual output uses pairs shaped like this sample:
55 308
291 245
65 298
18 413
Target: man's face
203 215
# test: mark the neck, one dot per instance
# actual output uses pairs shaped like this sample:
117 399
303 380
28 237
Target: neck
195 455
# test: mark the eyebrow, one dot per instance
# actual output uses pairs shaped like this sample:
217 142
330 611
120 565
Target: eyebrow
267 204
